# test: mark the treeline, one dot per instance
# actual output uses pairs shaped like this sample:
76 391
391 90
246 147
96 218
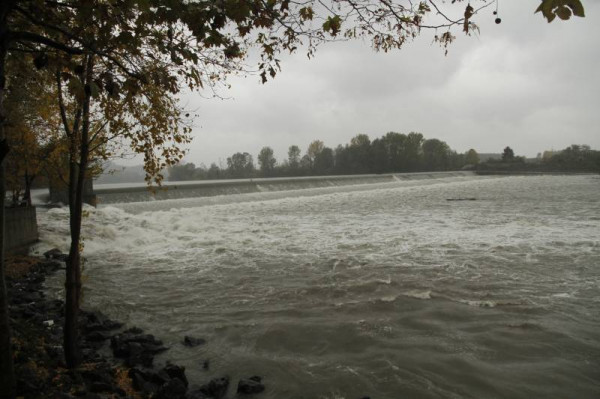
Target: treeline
575 158
393 152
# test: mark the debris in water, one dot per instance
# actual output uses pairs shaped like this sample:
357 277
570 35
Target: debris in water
461 199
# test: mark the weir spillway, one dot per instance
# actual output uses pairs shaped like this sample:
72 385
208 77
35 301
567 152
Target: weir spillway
122 193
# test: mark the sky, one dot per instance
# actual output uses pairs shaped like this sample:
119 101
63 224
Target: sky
524 83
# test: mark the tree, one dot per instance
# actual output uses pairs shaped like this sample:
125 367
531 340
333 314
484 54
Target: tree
360 153
31 124
436 154
324 161
413 151
294 157
379 156
395 144
184 171
314 149
240 165
471 157
214 172
508 155
267 161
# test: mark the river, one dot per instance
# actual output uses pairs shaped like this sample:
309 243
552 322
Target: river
387 290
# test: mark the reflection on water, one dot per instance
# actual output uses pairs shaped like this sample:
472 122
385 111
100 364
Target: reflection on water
385 291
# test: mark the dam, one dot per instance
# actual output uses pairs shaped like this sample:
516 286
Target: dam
127 192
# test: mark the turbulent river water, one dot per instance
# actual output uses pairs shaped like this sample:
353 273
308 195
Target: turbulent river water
386 290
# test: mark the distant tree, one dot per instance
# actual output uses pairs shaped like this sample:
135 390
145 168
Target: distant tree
313 150
546 155
214 172
294 157
436 155
306 164
508 155
380 158
580 158
396 149
184 171
324 162
413 151
360 153
240 165
266 161
456 160
471 157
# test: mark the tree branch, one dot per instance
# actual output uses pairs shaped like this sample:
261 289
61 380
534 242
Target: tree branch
35 38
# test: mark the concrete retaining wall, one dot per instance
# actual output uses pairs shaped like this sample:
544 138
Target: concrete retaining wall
21 229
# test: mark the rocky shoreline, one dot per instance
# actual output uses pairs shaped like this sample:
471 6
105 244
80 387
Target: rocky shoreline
118 361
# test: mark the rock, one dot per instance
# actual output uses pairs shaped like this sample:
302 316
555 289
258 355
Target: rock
216 388
134 330
102 375
96 321
101 387
51 266
141 376
96 336
174 371
28 381
140 381
172 389
138 355
136 349
195 393
54 351
192 342
250 386
54 253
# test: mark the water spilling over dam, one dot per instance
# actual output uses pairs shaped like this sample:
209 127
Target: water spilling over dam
119 193
383 289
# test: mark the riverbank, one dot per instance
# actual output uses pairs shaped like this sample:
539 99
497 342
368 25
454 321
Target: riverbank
118 362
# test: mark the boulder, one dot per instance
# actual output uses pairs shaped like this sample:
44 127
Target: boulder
250 385
134 330
192 342
174 371
142 381
216 388
96 321
172 389
136 348
55 253
98 336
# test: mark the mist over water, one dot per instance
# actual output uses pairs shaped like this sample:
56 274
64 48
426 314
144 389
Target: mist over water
386 290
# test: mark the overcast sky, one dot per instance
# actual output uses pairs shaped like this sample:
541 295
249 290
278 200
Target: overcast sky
524 83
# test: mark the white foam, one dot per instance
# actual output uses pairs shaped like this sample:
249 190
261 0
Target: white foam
418 294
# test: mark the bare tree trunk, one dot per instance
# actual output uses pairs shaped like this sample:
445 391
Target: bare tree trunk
28 183
78 166
7 374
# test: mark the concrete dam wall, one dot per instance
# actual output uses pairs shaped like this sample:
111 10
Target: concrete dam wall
118 193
